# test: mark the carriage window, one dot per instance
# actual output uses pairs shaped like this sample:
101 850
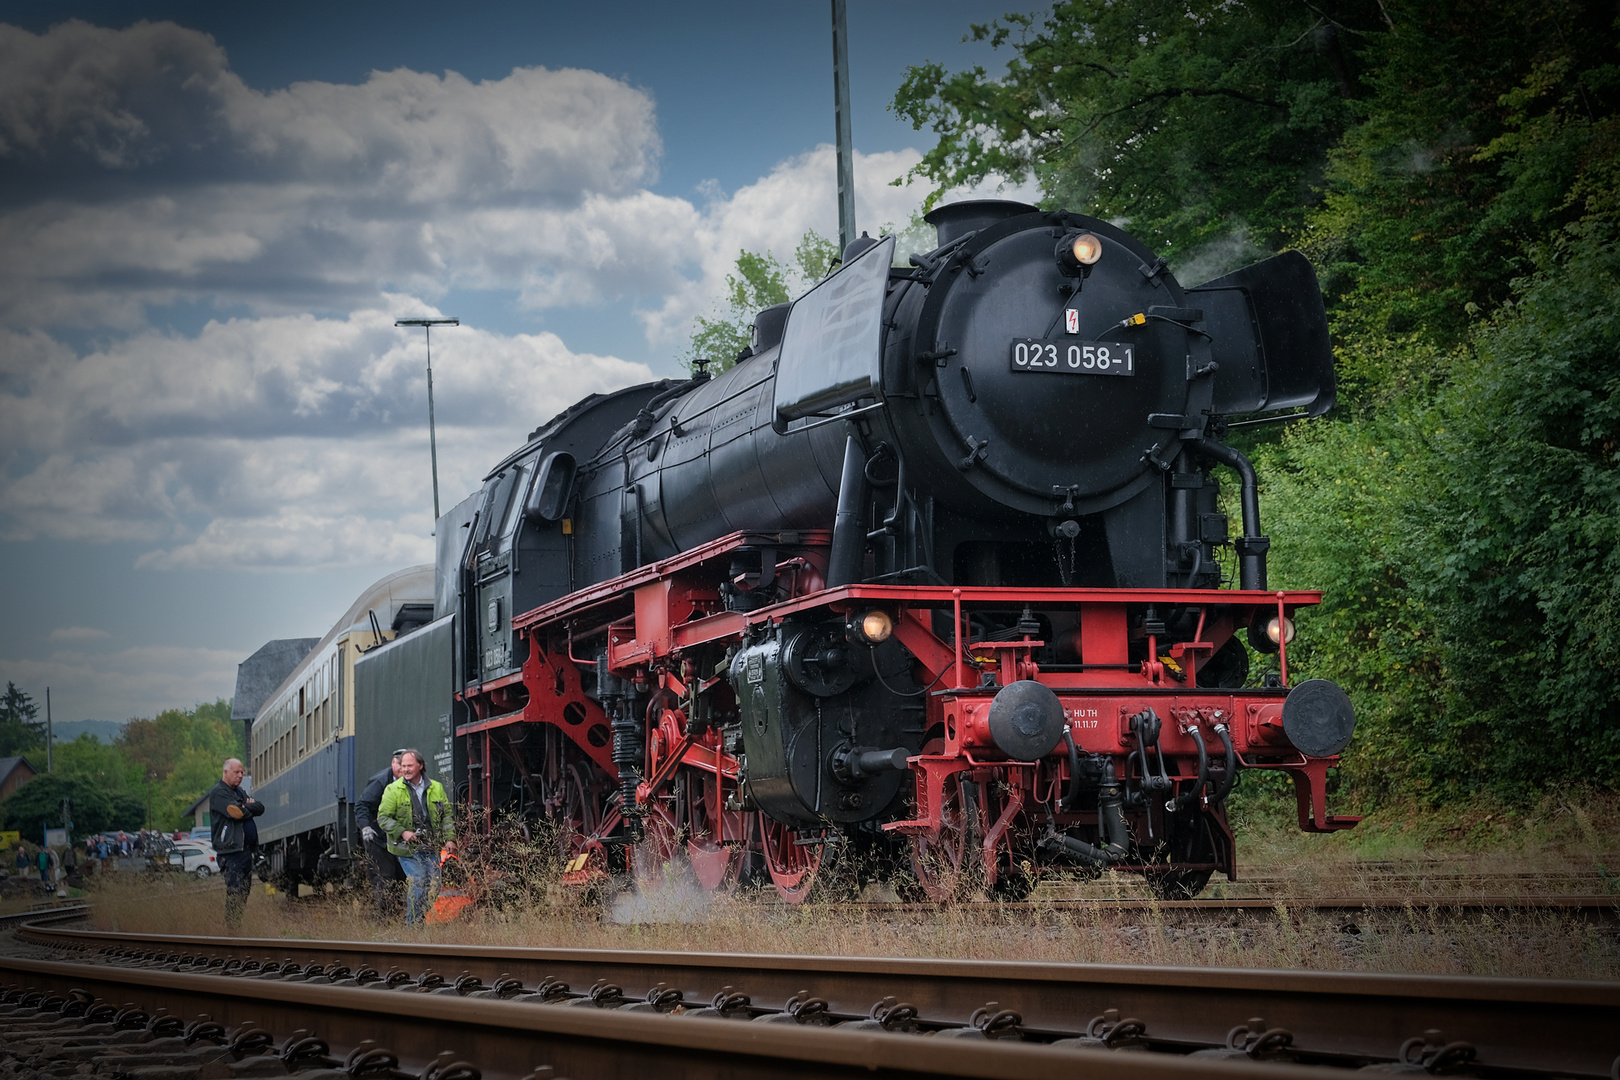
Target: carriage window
832 345
514 500
495 518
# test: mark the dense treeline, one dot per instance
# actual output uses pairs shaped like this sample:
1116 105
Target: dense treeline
145 777
1450 168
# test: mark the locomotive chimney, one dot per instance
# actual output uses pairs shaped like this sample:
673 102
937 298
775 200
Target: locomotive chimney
958 219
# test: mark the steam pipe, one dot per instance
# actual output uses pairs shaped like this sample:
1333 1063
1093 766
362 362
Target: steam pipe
1230 778
1251 546
1111 831
1087 853
1111 822
1074 769
1186 799
849 538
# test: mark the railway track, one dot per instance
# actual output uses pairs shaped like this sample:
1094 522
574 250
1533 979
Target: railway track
504 1012
1602 910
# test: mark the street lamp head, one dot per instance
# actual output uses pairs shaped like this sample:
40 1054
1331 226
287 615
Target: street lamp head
427 322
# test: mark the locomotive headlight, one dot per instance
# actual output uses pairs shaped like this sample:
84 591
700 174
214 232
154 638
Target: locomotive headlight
1280 631
1077 252
871 628
1268 634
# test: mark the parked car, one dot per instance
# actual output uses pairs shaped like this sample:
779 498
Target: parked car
194 858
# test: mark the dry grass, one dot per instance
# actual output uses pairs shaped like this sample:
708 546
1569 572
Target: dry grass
1558 849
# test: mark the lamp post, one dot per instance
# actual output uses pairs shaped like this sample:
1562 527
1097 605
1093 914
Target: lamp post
427 326
841 128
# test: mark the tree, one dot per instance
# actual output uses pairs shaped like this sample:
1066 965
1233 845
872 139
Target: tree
21 731
156 745
191 776
38 804
127 812
1453 170
102 764
1194 120
761 281
1523 531
1484 130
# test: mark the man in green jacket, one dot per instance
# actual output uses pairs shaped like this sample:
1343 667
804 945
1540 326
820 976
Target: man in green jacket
415 813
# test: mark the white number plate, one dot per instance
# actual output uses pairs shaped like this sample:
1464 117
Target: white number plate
1074 357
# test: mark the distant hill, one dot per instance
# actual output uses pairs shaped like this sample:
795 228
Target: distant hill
105 730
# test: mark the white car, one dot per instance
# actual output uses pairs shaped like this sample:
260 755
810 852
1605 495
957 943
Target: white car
194 858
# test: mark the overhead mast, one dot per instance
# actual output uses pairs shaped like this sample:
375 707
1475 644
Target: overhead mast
844 142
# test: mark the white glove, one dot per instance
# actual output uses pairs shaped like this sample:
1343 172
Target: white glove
368 834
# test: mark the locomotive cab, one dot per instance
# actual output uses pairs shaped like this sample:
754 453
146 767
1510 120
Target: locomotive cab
514 551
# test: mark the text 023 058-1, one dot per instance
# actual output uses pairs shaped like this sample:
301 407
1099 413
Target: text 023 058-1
1074 357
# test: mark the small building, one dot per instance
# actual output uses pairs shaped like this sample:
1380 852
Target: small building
198 811
14 773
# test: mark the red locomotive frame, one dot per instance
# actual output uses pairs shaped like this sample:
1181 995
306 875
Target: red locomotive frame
653 621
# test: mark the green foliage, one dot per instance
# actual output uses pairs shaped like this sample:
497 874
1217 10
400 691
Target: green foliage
160 765
128 812
1468 543
21 730
1451 168
38 804
760 282
1332 492
1462 515
103 764
192 775
1522 534
1485 127
156 745
1196 121
179 755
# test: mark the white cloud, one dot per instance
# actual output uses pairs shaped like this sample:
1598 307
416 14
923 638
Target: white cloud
77 633
313 197
305 198
142 171
774 212
273 442
158 93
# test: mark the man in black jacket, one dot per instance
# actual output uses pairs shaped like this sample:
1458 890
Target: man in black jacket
381 866
235 837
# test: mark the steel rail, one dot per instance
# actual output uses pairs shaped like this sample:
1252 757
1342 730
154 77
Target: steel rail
508 1040
1536 1025
1457 904
44 913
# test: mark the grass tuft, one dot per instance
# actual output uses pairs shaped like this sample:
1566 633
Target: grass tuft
1556 847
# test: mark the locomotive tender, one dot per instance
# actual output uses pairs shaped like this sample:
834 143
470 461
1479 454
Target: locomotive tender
933 572
937 573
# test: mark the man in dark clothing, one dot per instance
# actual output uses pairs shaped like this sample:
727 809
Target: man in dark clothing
381 866
235 837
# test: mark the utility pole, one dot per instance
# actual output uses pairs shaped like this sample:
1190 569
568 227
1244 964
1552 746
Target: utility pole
844 141
427 326
48 736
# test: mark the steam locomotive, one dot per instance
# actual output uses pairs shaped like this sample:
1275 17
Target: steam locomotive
938 575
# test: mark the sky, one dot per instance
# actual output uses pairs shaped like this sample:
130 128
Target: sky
211 433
